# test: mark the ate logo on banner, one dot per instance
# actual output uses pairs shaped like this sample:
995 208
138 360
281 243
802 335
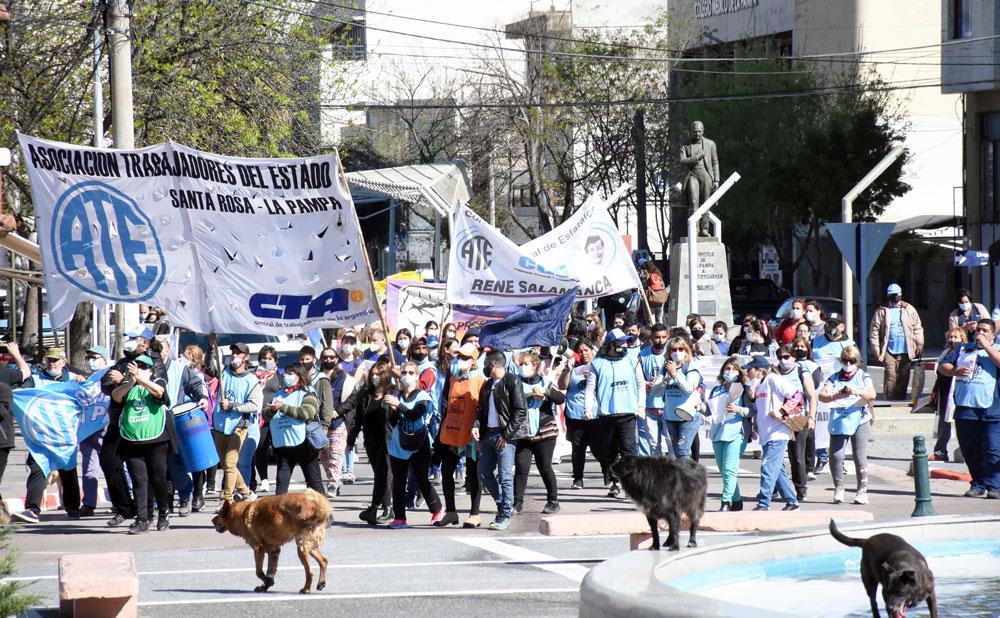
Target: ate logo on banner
476 253
105 245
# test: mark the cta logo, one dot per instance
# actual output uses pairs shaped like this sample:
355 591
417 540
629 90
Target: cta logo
105 245
299 306
476 253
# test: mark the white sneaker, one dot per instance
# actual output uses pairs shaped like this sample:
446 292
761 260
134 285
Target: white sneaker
26 516
861 497
251 497
264 486
811 476
838 495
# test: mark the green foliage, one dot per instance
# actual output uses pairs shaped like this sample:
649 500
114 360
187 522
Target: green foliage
12 600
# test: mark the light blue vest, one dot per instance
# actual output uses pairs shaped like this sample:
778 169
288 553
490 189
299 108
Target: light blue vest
845 421
534 406
175 375
824 348
237 390
285 430
731 427
395 449
575 395
652 368
674 396
616 391
980 389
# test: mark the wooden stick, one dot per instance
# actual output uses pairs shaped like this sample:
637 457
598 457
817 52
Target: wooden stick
368 265
649 310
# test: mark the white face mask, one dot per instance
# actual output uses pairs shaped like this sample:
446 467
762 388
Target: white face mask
236 362
267 365
812 317
376 380
730 376
290 379
795 314
965 307
786 364
850 368
403 343
408 381
678 357
347 349
527 371
463 365
95 364
746 331
130 346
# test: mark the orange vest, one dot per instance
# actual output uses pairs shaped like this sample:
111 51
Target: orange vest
463 401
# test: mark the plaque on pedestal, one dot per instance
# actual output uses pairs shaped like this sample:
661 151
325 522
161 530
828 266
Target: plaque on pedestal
712 272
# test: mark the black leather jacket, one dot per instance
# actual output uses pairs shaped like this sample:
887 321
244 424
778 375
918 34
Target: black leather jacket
511 408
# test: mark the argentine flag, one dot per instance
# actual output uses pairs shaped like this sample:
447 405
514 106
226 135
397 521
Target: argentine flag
57 416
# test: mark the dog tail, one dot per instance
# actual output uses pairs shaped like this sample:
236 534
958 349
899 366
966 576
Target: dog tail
846 540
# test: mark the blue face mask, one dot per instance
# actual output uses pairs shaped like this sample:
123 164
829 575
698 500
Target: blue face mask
290 379
730 376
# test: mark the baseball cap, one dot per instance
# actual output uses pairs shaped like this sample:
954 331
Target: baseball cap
757 362
642 262
419 341
240 347
99 350
55 353
615 334
350 334
144 359
140 331
894 289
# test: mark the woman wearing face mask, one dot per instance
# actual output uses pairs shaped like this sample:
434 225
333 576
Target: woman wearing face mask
542 429
402 346
458 440
784 334
270 382
966 313
721 337
755 340
410 445
146 428
681 382
595 329
768 391
849 391
581 430
341 385
802 349
289 411
371 417
349 357
701 345
953 339
727 433
800 376
833 341
815 318
431 330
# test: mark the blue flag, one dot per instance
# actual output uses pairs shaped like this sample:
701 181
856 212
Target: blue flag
57 416
543 324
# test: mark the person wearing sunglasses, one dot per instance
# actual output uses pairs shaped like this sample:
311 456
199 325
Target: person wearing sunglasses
800 376
540 444
681 398
410 446
291 408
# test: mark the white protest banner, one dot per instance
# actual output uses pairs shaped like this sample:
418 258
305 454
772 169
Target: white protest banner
223 244
589 248
487 268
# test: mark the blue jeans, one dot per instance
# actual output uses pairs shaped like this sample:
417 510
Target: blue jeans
180 476
497 472
90 455
651 434
682 434
773 474
349 458
248 450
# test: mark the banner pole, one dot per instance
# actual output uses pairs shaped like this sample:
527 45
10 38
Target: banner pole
368 265
649 310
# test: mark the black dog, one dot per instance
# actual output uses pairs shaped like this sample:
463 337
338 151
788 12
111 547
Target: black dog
665 488
888 560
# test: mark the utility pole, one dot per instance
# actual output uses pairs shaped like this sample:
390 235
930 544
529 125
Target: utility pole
639 143
118 22
99 324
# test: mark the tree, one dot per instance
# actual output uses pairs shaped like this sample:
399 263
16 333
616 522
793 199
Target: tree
800 139
12 600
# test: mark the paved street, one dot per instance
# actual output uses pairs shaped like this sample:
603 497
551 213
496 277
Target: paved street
421 571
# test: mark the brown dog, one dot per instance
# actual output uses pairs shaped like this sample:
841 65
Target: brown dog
268 523
889 561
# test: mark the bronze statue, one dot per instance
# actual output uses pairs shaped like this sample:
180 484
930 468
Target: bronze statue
701 164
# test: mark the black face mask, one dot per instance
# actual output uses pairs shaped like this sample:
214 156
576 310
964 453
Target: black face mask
419 356
308 366
329 365
895 298
800 354
697 334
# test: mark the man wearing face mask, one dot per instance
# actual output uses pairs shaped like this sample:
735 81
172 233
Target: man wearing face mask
501 420
90 448
897 338
967 313
652 432
240 401
320 384
112 464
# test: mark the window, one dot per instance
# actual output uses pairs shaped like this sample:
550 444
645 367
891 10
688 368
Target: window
961 18
348 40
990 162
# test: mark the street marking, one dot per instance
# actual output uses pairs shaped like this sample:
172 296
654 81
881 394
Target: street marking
335 567
253 597
542 561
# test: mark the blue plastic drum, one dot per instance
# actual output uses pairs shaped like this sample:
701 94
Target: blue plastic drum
195 435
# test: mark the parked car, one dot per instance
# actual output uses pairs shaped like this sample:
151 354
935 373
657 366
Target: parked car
760 297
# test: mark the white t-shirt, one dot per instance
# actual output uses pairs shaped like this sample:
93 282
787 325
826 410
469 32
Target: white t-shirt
770 394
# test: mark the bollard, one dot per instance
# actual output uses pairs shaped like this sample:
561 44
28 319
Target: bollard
921 480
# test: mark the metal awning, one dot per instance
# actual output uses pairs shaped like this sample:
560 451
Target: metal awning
927 222
437 187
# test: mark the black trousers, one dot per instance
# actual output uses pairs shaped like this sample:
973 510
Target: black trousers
542 451
797 449
147 465
378 457
618 432
4 455
260 456
582 433
37 481
113 467
420 461
449 461
304 456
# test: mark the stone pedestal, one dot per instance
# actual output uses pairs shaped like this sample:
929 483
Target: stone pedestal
712 271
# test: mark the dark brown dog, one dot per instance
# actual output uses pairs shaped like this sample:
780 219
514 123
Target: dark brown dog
897 566
665 488
268 523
